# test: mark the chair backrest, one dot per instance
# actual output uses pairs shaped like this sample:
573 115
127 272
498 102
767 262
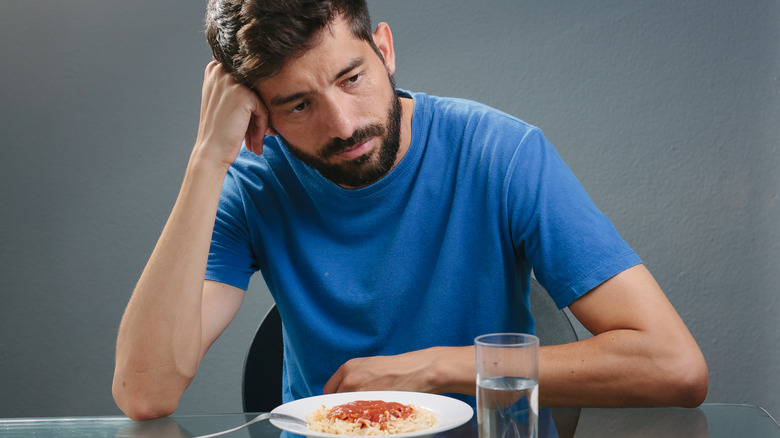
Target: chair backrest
262 379
553 327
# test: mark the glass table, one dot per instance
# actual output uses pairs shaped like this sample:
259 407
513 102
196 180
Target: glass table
707 421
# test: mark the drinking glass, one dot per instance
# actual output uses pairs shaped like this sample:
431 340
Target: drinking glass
507 385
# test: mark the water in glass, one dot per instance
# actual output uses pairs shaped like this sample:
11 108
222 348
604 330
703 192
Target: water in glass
508 407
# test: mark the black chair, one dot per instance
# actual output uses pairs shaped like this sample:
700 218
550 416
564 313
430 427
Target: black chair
262 379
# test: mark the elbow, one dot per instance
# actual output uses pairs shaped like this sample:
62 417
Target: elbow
139 405
695 388
144 412
689 380
141 409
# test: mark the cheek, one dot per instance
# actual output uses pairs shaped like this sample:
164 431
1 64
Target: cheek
373 109
307 138
372 104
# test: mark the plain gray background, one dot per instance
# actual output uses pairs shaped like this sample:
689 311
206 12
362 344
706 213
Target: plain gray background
667 111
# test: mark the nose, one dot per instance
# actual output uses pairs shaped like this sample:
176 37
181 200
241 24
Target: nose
340 117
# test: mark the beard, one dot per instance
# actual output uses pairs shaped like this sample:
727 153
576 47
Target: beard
366 169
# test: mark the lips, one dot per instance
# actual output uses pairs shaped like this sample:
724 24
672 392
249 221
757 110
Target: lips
356 151
361 142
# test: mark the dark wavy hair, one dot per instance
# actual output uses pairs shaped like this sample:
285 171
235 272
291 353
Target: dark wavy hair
253 39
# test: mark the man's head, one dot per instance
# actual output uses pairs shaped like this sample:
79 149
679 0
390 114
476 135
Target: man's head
254 39
325 79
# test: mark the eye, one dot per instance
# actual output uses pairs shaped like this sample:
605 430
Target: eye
352 79
298 108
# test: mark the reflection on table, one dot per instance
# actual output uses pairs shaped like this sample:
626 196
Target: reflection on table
708 421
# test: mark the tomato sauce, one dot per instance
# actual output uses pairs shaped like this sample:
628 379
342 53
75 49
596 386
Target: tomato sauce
371 412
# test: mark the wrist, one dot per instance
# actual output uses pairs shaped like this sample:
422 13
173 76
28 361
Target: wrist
205 158
454 370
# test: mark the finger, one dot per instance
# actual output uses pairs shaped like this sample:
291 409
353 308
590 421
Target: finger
333 384
263 108
254 136
258 125
249 144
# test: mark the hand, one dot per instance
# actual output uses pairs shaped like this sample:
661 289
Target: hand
229 113
435 370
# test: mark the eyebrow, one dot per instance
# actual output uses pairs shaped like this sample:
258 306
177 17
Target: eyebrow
283 100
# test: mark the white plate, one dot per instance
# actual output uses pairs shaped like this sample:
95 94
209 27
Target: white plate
450 412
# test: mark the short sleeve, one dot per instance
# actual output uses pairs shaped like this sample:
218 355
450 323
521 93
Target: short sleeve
571 245
231 260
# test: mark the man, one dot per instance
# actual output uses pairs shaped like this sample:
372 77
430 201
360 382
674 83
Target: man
391 228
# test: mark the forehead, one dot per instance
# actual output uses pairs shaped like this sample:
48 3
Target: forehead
334 48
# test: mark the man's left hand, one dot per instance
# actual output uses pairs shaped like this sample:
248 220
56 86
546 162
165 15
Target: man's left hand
434 370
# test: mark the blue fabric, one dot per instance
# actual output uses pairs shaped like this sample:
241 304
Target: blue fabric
437 252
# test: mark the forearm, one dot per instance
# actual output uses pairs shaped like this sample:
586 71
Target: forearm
160 342
617 369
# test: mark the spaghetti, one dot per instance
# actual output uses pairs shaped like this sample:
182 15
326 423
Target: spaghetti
370 417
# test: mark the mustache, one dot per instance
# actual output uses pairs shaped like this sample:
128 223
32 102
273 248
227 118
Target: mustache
359 136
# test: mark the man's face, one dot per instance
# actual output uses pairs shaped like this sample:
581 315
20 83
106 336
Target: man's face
336 109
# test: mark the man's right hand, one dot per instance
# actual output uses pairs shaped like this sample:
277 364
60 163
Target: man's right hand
229 113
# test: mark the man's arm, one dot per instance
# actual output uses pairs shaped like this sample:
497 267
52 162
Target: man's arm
641 354
158 352
173 316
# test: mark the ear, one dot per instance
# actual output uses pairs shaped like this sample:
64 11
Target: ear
384 42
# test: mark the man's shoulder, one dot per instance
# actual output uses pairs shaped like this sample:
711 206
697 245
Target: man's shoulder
459 112
468 123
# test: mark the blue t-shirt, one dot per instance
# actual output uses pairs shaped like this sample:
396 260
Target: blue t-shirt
436 253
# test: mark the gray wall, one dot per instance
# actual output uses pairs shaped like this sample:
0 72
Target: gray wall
667 111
